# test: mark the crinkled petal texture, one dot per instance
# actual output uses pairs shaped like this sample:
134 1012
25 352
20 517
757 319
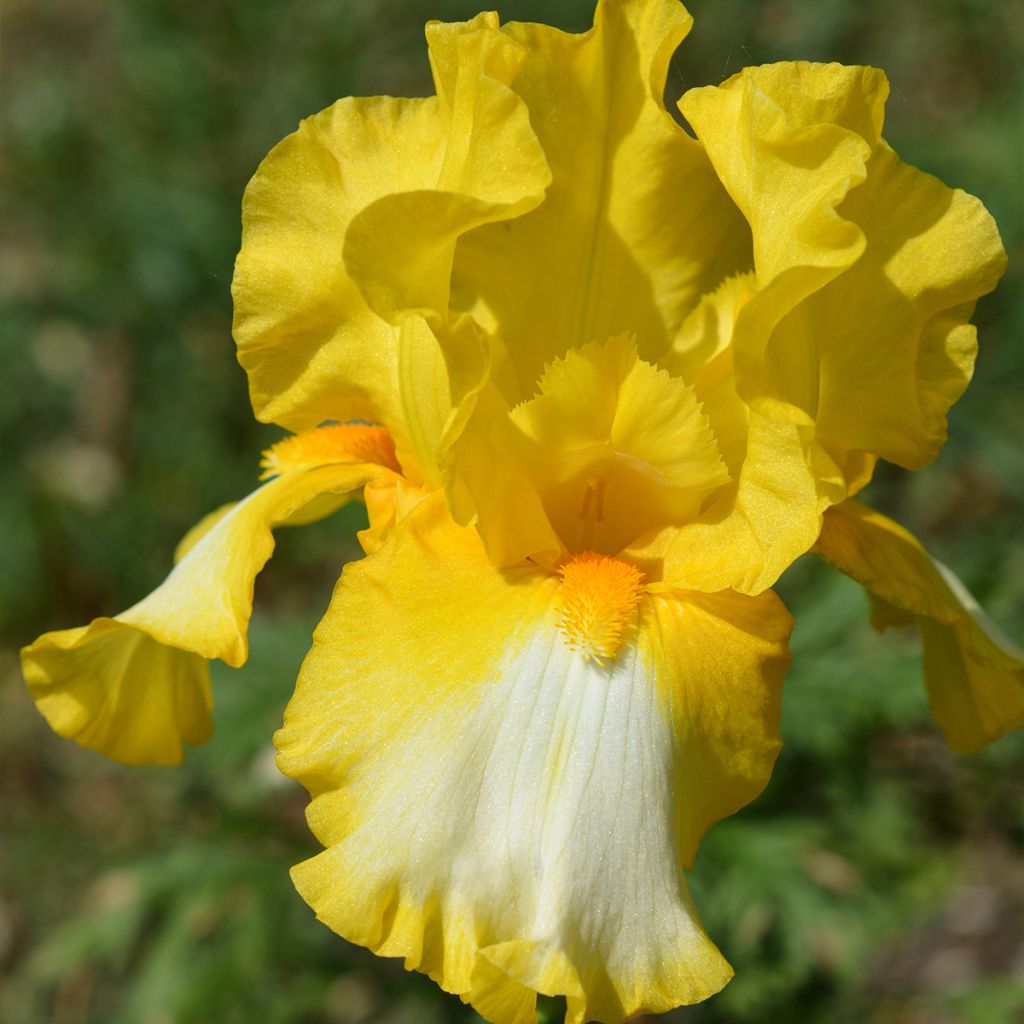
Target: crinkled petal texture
506 814
136 686
974 674
635 226
867 269
364 187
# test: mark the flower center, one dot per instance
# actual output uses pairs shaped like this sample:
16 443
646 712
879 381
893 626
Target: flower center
615 447
338 442
599 596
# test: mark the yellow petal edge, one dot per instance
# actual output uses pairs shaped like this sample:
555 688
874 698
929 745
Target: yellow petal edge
973 673
136 686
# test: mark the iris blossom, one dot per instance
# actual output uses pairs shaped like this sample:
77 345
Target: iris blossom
599 381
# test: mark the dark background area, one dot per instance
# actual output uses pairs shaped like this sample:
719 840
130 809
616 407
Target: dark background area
880 878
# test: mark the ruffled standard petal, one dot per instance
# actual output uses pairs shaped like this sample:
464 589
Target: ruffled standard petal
351 221
505 812
867 269
974 674
399 248
136 686
311 347
893 348
635 225
789 142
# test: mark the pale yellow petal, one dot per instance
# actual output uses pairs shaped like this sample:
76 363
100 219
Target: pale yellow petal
136 686
974 674
503 811
205 603
115 689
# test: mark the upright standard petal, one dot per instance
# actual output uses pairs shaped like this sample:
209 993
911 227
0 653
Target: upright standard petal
893 346
311 347
974 674
136 686
509 769
635 225
351 221
399 249
867 270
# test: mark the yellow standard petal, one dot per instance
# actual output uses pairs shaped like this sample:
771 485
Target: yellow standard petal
867 270
510 768
136 686
750 531
635 225
789 141
353 219
974 674
893 348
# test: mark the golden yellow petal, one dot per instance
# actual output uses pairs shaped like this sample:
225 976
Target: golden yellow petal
352 221
867 270
399 248
893 348
311 347
749 532
615 447
114 689
789 141
635 225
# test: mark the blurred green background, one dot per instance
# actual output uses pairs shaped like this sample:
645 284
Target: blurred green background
878 879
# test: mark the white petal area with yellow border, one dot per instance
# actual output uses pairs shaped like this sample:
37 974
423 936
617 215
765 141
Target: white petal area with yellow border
501 812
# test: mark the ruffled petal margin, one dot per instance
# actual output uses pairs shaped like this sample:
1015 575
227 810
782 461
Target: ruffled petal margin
351 222
507 815
136 686
635 225
974 674
867 269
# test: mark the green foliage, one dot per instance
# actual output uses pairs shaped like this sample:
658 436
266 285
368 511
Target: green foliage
878 879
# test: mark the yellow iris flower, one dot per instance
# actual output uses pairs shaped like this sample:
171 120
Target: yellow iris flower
621 376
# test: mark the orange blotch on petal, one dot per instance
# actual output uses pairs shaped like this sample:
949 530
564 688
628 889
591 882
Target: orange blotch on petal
339 442
599 596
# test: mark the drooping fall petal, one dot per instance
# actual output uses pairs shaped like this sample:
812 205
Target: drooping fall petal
512 814
136 686
974 674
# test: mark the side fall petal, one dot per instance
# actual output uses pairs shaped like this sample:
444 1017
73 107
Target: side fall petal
136 686
508 814
973 673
